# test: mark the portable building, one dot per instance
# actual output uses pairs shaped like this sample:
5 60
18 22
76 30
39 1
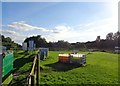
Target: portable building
72 58
43 53
31 45
24 46
78 58
64 58
2 49
117 49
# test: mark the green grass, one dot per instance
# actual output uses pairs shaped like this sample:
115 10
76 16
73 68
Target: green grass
101 68
22 67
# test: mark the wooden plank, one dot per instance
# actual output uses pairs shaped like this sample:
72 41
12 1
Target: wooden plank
38 69
32 80
33 67
32 73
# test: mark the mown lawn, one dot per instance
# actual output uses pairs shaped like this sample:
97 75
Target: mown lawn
101 68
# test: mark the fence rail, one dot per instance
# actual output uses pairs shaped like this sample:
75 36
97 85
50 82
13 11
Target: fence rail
33 78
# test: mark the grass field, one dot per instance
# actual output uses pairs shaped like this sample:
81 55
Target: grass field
22 67
101 68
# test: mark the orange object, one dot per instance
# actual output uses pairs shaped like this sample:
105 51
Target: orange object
64 58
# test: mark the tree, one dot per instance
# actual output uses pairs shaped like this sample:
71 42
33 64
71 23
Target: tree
38 40
8 43
109 36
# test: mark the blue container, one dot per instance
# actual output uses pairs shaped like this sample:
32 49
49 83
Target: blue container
43 53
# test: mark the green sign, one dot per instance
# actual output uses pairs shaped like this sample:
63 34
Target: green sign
7 64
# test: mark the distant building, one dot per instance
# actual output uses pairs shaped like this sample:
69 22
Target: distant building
24 46
2 49
117 49
31 45
28 46
98 39
43 53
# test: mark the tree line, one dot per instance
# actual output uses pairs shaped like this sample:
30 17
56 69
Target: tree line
9 43
108 44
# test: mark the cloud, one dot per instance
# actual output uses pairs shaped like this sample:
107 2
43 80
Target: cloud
61 29
84 32
1 25
22 26
18 38
7 32
81 33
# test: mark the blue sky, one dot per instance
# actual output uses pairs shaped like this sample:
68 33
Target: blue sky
49 14
69 21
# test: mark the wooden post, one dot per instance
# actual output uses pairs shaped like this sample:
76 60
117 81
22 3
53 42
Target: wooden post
32 80
38 69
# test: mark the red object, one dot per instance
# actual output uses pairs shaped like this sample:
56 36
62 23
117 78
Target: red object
65 59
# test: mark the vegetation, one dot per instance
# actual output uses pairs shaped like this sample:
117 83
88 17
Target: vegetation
22 67
8 43
101 68
107 44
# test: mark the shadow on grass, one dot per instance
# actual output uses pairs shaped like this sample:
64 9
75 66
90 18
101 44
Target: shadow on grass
19 82
62 67
18 63
24 53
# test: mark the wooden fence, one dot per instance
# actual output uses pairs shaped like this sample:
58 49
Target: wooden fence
33 79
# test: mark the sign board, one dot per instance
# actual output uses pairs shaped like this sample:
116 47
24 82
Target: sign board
24 46
7 64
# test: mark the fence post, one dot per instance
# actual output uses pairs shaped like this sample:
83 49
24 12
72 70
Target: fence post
38 69
32 80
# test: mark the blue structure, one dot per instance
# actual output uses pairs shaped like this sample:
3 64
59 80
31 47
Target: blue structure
31 45
43 53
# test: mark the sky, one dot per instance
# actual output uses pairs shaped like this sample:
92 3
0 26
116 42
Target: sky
69 21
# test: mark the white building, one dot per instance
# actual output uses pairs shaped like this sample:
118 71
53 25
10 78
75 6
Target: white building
31 45
24 46
117 49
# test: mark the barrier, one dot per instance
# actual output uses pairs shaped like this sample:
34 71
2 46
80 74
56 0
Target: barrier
33 78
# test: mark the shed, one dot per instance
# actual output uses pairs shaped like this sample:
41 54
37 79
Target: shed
43 53
31 45
24 46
